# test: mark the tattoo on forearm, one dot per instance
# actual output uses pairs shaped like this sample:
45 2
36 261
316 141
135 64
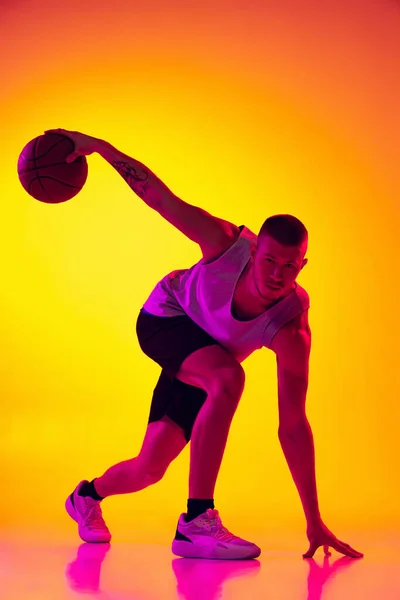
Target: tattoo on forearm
136 178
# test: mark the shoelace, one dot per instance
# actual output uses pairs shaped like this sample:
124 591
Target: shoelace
94 518
213 523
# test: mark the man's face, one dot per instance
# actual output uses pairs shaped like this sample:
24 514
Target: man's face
276 266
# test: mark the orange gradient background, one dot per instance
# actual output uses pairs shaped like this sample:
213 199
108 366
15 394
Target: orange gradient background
246 109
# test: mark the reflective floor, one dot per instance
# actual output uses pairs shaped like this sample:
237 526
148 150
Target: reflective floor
43 570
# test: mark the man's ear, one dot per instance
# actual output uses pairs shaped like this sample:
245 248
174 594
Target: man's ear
305 261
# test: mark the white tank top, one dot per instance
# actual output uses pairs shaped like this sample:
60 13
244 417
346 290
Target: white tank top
205 292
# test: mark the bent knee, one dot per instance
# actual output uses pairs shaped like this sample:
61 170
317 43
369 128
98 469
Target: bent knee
151 473
228 381
155 475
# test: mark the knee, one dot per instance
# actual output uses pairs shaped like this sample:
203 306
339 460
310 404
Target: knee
228 383
154 475
151 473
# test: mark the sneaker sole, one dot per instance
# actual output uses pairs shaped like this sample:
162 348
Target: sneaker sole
187 550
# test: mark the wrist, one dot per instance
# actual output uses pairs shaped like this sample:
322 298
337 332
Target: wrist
108 152
99 145
314 520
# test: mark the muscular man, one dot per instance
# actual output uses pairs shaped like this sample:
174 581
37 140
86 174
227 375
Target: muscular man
199 324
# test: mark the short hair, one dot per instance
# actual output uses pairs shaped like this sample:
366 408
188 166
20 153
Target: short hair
285 229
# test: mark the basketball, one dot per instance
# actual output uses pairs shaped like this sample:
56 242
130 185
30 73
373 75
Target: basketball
44 173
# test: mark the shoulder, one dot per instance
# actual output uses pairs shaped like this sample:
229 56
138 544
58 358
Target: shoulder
294 338
230 234
303 298
300 323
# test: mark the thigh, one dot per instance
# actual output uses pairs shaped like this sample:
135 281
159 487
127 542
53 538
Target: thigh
178 401
212 368
170 340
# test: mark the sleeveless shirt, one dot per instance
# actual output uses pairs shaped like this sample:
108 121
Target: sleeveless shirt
205 292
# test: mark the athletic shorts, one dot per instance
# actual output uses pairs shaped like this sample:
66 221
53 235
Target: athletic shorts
168 341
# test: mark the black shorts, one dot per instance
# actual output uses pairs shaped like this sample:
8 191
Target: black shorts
168 341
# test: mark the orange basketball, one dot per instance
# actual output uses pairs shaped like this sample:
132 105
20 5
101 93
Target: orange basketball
44 173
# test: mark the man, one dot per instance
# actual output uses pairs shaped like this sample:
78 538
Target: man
199 324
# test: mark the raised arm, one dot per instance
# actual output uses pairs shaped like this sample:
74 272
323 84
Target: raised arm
212 234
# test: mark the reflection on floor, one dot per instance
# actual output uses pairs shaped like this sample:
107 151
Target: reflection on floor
122 571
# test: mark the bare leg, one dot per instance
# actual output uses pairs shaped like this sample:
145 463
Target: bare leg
163 442
209 437
222 377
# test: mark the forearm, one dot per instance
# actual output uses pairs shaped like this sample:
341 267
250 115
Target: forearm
142 181
298 448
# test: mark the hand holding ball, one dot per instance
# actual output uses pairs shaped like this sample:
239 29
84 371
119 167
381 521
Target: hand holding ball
52 168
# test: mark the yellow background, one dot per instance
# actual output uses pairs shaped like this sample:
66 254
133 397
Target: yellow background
247 109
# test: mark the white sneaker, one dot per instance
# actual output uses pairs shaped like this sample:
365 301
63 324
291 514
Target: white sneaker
87 513
206 537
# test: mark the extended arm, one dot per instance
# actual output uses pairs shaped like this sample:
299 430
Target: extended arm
139 177
214 235
292 346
